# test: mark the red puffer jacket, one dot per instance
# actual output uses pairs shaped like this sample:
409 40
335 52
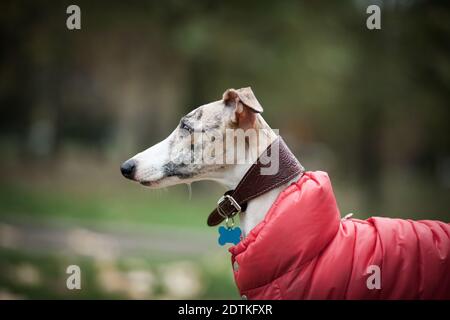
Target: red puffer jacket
303 250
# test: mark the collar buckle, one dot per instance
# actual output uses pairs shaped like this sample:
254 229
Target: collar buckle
224 202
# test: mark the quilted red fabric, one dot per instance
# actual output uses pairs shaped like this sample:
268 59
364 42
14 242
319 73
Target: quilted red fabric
303 250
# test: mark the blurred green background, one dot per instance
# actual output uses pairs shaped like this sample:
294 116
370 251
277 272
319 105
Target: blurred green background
369 107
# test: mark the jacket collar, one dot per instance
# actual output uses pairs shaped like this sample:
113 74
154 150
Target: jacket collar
298 226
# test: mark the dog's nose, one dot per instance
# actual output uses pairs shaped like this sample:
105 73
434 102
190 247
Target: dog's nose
127 168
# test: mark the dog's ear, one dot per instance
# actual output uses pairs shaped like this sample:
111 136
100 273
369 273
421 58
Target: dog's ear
245 96
245 105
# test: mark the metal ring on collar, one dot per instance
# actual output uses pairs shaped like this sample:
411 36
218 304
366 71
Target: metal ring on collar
232 222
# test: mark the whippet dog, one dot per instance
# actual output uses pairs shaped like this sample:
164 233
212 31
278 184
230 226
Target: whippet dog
329 257
180 158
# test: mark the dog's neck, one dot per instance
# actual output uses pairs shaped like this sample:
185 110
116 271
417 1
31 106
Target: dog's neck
258 207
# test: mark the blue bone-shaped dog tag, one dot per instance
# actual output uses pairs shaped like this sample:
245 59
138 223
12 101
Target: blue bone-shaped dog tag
229 235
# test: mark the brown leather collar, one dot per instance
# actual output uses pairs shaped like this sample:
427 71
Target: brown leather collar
254 184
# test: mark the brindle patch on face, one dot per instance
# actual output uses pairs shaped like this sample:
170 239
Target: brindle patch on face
214 124
175 170
195 115
199 114
208 120
193 120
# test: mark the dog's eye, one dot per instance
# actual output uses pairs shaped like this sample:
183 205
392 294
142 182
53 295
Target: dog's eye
185 126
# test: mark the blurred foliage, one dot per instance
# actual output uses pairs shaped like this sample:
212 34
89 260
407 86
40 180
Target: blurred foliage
369 107
43 276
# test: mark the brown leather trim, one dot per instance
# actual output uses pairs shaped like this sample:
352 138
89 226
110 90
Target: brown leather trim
253 184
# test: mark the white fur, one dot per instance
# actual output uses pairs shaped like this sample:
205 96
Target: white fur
150 161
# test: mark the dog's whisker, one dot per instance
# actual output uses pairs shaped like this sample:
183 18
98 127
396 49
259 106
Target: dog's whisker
189 186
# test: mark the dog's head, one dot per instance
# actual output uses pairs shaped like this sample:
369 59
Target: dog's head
203 144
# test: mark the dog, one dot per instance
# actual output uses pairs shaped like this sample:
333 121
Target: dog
294 243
